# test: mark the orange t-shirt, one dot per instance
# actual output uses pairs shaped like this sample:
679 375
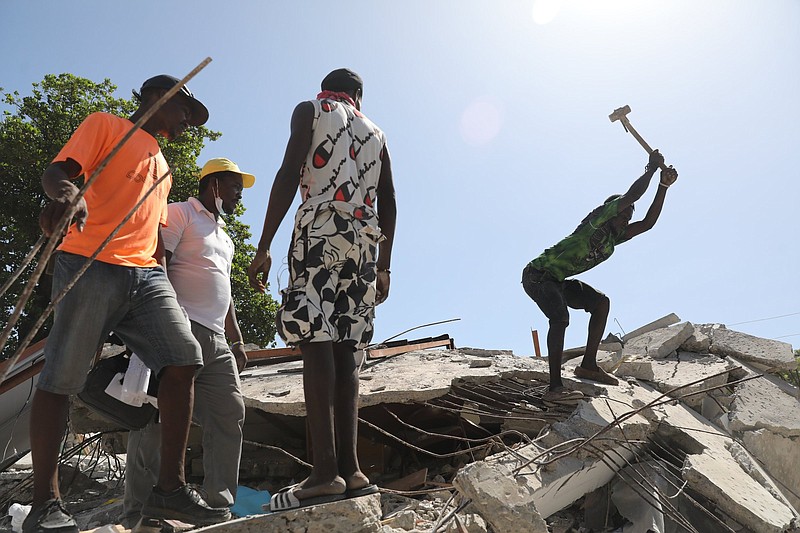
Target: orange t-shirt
126 178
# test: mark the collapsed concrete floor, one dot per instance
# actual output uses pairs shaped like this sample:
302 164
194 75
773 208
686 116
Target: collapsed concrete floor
699 437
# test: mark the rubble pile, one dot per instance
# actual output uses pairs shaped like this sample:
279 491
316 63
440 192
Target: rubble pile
700 436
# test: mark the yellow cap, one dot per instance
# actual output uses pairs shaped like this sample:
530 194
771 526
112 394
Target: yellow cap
221 164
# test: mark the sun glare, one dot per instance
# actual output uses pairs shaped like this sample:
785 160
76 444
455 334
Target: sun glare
544 11
480 122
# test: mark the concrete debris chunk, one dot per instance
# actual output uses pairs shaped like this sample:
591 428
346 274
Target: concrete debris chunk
505 502
345 516
699 342
661 323
709 329
471 522
658 343
769 354
608 361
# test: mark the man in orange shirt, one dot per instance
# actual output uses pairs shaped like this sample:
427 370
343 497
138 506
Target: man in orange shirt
125 290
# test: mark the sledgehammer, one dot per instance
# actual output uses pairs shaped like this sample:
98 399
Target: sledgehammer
621 114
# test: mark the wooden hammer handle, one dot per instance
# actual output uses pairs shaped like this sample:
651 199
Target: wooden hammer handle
639 138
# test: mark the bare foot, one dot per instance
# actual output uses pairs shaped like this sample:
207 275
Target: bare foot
356 481
309 490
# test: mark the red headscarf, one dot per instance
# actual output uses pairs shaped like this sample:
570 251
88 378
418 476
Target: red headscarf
332 95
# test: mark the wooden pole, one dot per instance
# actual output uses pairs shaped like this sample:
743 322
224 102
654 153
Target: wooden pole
536 349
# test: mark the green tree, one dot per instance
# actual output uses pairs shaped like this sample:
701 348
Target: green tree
33 129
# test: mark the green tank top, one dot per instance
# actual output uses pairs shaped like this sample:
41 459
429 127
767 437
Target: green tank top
589 245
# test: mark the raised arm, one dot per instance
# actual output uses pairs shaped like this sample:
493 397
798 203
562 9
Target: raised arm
387 217
640 186
668 177
283 190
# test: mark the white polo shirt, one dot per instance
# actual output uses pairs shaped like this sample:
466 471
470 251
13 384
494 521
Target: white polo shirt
200 267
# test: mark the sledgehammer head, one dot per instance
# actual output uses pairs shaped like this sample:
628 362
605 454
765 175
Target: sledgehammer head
619 113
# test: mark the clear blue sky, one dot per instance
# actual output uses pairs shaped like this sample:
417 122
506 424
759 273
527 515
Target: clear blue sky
497 120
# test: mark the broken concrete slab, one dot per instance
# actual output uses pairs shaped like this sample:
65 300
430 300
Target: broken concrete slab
760 404
780 456
661 323
750 504
600 413
346 516
748 497
658 343
505 502
674 372
412 377
768 353
750 369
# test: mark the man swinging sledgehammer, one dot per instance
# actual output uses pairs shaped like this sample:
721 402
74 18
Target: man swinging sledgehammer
545 278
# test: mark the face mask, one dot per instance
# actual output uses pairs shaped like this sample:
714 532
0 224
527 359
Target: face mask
218 200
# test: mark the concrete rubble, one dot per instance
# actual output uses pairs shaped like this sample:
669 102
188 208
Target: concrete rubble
356 514
505 500
697 437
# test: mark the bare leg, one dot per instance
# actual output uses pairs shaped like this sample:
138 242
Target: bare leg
345 409
597 326
48 422
318 386
555 351
175 399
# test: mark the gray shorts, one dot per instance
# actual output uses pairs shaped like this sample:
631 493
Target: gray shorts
138 304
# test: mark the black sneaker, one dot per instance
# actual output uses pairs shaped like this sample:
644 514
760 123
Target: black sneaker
51 517
184 504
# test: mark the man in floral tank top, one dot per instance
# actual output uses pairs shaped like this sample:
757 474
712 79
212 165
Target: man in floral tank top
339 263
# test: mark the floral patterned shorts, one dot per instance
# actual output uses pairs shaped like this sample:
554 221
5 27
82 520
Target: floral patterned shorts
331 293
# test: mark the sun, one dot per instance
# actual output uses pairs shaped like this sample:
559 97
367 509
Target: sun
544 11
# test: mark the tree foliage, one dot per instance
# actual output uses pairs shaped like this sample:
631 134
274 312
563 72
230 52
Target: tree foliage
32 131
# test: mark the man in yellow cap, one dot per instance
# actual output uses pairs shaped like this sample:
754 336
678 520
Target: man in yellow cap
199 256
